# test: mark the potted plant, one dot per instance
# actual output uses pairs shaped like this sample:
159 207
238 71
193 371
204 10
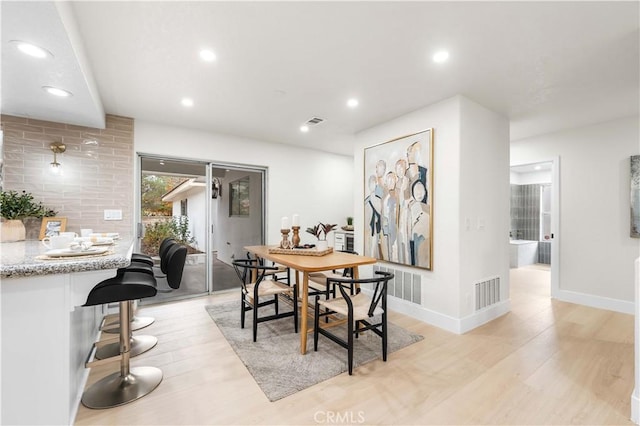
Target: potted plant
349 226
14 207
320 231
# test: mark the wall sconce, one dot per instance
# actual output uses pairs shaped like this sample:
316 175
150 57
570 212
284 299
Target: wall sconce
57 148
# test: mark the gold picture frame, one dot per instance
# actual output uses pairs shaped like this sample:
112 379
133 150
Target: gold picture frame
398 202
52 226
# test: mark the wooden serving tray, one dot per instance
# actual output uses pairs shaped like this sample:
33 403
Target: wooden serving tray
301 252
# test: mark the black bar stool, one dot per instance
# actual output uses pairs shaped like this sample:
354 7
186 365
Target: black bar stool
137 323
173 266
148 260
129 383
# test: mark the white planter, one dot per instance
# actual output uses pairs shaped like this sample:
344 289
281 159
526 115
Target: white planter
322 245
12 230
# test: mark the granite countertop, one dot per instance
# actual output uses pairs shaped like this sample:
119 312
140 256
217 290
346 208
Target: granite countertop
20 259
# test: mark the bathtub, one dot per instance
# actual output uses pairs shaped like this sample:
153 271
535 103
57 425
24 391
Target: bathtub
522 252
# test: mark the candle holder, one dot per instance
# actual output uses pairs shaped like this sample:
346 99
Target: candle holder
295 239
285 244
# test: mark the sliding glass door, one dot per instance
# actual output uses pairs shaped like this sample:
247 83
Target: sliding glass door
237 219
214 209
174 198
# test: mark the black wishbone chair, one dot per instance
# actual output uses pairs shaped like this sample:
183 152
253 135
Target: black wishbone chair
318 281
255 289
281 273
359 309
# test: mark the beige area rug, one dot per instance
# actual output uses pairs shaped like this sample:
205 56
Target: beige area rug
275 361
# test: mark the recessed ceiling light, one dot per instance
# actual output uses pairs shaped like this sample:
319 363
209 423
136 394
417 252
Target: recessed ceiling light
31 49
441 56
352 103
57 92
304 128
188 102
207 55
537 168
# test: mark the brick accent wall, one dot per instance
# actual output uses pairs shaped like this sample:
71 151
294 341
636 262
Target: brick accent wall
97 170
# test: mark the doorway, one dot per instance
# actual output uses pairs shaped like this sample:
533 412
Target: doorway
534 230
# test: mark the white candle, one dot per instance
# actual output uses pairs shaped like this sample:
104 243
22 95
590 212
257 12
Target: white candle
285 223
295 220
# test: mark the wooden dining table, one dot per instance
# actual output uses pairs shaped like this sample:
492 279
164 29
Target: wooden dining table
307 264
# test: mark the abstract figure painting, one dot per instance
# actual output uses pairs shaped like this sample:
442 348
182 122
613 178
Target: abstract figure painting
635 196
398 203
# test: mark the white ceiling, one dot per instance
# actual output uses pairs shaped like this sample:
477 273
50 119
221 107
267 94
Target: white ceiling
545 65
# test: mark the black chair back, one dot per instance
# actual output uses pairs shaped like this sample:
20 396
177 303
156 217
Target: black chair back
379 296
164 252
246 268
176 256
348 272
165 244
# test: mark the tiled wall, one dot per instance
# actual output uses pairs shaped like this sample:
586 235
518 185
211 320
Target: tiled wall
544 252
525 212
525 218
96 174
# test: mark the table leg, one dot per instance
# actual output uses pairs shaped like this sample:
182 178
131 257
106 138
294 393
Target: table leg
304 312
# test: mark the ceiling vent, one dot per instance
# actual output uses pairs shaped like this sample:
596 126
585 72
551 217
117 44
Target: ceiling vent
314 121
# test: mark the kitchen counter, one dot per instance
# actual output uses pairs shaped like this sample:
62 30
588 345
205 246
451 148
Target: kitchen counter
20 259
47 334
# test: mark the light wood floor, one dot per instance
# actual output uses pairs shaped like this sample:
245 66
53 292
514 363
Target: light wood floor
546 362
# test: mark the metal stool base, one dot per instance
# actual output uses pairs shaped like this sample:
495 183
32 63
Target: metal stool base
137 324
139 345
115 390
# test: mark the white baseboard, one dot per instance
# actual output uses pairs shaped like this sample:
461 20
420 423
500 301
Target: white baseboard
599 302
468 323
483 316
423 314
446 322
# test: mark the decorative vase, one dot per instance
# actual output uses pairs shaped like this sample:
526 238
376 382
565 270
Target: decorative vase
12 230
322 245
32 225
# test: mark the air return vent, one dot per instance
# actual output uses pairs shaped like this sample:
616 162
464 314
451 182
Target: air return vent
487 293
404 285
314 121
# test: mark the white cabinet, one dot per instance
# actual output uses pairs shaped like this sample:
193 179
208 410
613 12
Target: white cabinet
343 240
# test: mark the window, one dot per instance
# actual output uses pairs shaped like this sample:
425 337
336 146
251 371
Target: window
183 207
239 197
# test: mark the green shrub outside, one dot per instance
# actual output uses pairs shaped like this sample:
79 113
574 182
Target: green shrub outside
176 227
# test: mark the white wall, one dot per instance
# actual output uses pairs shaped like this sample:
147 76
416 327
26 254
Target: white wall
484 201
444 288
233 233
542 176
196 211
196 214
314 184
596 252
